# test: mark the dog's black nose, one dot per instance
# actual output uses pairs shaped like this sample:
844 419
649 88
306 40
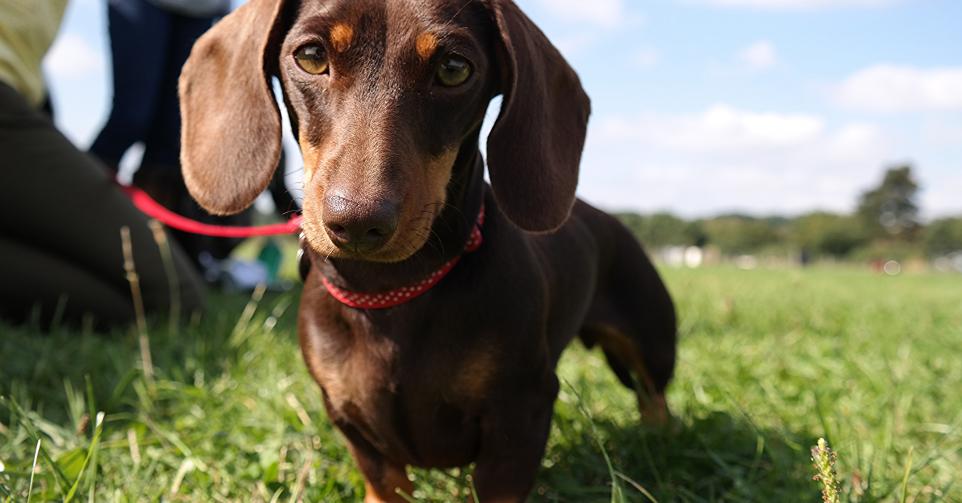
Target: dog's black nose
360 227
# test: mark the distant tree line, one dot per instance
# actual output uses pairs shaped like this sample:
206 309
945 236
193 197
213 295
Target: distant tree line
884 225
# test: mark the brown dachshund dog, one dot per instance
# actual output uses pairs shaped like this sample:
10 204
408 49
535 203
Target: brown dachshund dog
386 98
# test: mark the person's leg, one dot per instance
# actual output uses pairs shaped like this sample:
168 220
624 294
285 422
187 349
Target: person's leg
163 140
159 172
57 199
139 33
34 283
160 169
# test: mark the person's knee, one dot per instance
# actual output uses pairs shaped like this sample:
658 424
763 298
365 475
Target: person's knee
194 297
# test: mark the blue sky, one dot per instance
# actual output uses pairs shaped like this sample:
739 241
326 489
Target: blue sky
709 106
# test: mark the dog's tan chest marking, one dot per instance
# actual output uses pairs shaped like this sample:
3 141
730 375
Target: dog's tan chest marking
355 377
341 37
476 375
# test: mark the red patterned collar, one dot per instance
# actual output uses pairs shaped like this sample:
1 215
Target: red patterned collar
398 296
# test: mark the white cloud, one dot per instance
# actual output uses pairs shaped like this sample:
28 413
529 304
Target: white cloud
759 56
72 57
728 159
797 4
892 88
941 199
942 133
719 128
601 12
852 140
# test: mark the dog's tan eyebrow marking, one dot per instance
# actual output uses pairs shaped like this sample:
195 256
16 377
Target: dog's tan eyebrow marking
341 37
426 44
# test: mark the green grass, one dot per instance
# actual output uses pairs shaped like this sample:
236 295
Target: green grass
769 361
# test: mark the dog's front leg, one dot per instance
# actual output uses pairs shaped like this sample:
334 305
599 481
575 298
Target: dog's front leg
512 446
384 481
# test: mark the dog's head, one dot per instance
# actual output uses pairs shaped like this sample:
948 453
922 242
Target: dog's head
384 97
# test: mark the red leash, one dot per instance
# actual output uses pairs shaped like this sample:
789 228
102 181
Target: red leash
357 300
153 209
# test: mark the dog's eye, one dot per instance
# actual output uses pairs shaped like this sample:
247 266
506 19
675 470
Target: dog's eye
312 59
454 71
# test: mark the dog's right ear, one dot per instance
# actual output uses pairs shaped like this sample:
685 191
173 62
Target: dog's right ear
534 149
231 126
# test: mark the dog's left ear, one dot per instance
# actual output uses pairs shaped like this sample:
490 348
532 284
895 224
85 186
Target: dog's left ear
231 126
534 149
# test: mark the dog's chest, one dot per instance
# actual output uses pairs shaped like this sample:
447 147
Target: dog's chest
408 393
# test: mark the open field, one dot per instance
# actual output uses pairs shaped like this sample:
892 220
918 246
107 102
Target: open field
770 360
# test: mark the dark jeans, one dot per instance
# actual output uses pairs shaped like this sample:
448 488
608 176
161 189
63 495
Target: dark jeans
149 46
60 220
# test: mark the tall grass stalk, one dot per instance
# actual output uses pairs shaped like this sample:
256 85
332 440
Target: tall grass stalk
824 459
242 328
170 270
134 280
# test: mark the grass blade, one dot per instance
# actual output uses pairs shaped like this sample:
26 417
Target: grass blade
24 421
905 477
33 470
94 443
638 487
616 494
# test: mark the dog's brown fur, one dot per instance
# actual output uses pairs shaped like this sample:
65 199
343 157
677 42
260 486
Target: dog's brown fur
464 373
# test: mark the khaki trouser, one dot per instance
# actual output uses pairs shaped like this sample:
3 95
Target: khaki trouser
60 221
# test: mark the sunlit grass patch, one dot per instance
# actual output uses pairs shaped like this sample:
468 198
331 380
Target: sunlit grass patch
769 362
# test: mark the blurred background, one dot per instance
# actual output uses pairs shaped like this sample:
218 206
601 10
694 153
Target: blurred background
754 130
